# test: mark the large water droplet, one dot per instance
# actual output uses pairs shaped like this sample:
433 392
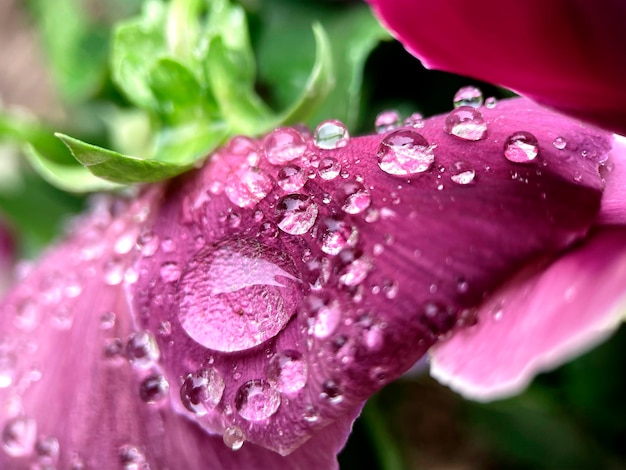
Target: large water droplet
405 152
154 388
521 147
288 370
387 121
291 178
237 294
468 96
257 400
466 123
142 349
283 145
202 391
234 437
247 185
296 214
329 168
331 134
19 436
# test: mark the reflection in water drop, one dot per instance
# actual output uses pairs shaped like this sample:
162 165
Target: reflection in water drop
466 123
468 96
405 152
521 147
234 437
331 134
283 145
296 214
202 391
257 400
19 435
288 370
142 349
154 388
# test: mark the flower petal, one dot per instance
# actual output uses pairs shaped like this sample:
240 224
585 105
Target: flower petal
564 54
539 320
287 301
613 210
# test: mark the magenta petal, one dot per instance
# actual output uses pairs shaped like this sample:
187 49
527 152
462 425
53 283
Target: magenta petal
613 210
565 54
539 321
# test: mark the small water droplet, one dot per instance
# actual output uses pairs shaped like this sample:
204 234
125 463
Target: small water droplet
329 168
154 388
107 321
244 147
331 391
113 272
142 349
257 400
559 143
326 316
148 243
202 391
387 121
247 186
168 245
19 435
47 449
234 437
288 369
353 268
521 147
466 123
468 96
311 414
132 458
331 134
337 235
405 152
296 214
491 102
8 361
125 243
463 173
291 178
170 271
415 120
283 145
357 198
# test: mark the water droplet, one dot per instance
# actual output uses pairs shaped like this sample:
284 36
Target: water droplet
353 268
142 349
47 449
337 235
234 437
113 272
331 134
283 145
468 96
257 400
244 147
247 185
170 271
8 361
415 120
357 198
466 123
311 414
288 370
405 152
387 121
521 147
168 245
491 102
463 173
148 243
107 321
202 391
329 168
19 435
296 214
125 242
559 143
154 388
291 178
132 458
326 317
331 391
237 294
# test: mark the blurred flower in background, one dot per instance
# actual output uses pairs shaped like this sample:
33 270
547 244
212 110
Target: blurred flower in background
183 109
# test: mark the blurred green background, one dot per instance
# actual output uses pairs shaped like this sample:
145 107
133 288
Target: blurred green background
55 76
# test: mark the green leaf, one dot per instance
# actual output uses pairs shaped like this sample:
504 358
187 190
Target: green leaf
184 145
72 178
118 168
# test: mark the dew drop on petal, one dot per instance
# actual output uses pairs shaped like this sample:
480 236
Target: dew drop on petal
291 178
154 388
462 173
247 185
234 437
202 391
405 152
19 435
468 96
357 198
170 271
257 400
326 319
142 349
148 243
387 121
521 147
296 214
466 123
283 145
559 143
331 391
337 235
168 245
329 168
237 294
113 272
244 147
415 120
331 134
132 458
353 268
8 362
311 414
491 102
47 449
288 369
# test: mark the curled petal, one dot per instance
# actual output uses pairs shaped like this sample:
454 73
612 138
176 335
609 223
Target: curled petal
613 210
564 54
539 320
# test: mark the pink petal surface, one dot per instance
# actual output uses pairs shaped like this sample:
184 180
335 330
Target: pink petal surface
565 54
613 209
541 319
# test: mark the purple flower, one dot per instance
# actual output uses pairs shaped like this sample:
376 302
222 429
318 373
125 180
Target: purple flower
254 304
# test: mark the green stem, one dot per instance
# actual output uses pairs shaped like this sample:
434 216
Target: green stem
389 455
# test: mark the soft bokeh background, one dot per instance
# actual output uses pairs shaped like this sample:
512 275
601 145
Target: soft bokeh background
53 69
